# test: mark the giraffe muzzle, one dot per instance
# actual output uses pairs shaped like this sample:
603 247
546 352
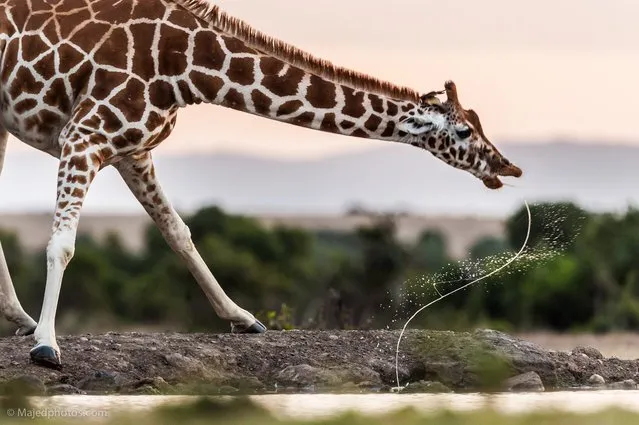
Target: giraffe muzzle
510 170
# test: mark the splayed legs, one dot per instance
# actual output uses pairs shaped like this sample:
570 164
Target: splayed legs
139 175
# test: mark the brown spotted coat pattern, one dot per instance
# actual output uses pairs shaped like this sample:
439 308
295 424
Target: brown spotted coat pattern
99 82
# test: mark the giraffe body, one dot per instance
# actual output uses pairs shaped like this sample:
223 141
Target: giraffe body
99 82
73 67
124 77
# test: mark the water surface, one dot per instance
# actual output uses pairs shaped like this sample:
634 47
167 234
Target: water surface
323 405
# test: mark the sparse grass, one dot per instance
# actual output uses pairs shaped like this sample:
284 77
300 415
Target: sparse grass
240 411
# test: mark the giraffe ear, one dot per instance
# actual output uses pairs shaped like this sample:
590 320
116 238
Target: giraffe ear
431 98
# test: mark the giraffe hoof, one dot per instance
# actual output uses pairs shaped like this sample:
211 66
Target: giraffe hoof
25 330
255 328
45 356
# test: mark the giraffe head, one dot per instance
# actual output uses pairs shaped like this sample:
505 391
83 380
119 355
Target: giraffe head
455 135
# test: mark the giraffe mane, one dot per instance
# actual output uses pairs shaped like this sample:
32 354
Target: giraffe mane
295 56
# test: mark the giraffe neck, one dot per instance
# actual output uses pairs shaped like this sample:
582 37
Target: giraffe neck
246 80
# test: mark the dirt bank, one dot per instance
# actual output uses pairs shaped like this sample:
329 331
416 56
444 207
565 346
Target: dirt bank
154 363
624 345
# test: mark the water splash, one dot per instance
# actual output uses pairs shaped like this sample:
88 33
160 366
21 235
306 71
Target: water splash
552 236
447 294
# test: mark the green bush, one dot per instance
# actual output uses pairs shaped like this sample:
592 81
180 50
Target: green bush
580 271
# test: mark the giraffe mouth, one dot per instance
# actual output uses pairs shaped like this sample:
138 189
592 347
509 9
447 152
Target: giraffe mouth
492 182
510 170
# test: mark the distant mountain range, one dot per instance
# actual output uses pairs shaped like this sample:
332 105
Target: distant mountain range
394 177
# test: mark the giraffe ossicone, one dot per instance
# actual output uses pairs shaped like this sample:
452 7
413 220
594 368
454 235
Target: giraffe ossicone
98 83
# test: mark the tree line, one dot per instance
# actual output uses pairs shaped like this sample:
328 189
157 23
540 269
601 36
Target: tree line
579 271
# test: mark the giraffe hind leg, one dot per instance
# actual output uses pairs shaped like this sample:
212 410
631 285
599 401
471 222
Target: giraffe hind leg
139 175
10 306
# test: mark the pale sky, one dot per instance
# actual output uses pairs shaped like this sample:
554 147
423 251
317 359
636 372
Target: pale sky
535 71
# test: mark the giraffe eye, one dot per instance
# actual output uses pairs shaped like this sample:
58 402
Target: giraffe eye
464 134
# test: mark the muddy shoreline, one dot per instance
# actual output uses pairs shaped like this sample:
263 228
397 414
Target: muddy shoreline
307 361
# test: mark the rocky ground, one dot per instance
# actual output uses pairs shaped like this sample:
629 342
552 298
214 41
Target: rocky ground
307 361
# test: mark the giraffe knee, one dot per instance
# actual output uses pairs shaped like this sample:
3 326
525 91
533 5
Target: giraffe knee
179 238
61 248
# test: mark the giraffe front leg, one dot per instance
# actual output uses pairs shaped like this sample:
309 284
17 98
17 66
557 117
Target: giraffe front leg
10 306
139 175
78 166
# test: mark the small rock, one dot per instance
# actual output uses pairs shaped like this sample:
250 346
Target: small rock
387 371
368 385
146 390
305 375
357 373
158 383
628 384
121 364
183 362
596 380
227 390
590 352
247 384
24 385
348 387
333 337
64 379
84 339
63 389
189 368
308 389
426 387
529 381
297 375
99 381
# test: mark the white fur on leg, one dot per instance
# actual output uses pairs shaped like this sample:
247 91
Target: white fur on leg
59 252
178 236
223 305
10 307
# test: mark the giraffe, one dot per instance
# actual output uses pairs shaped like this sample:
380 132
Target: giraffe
98 83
